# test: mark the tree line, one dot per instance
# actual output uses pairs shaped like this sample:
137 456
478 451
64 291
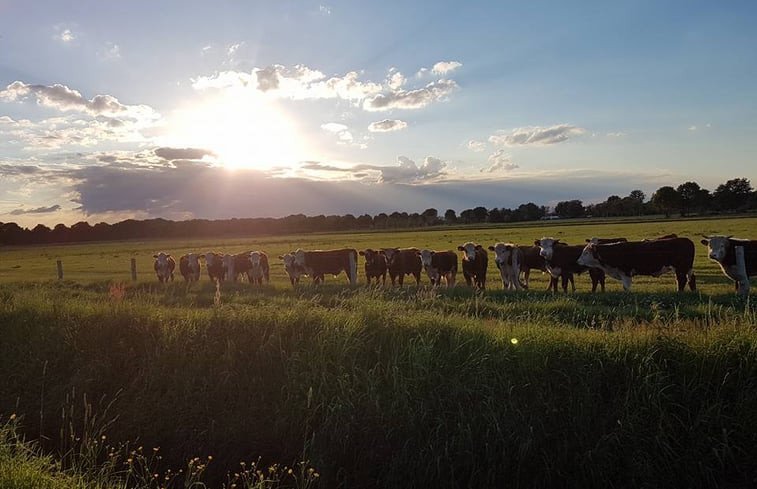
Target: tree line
689 198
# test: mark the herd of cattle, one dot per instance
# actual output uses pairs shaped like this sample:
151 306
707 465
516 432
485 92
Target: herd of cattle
617 257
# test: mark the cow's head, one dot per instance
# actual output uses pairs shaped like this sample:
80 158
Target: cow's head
193 261
717 247
299 257
211 259
589 256
593 240
503 253
162 266
469 250
255 257
547 247
290 266
371 256
228 261
391 254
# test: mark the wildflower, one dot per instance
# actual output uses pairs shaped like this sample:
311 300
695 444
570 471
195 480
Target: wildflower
103 438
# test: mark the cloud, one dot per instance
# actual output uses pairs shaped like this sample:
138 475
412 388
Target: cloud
499 161
111 51
536 136
66 36
476 146
65 99
387 125
340 130
617 134
413 99
395 79
182 153
444 67
38 210
693 128
17 170
324 9
408 172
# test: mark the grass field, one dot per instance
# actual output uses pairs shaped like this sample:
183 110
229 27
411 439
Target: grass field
373 387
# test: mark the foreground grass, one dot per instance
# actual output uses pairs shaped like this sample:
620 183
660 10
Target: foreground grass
394 388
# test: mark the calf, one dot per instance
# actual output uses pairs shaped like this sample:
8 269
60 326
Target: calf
259 269
475 263
293 271
214 263
375 266
318 263
401 262
623 261
508 258
189 266
597 275
561 263
164 265
438 265
722 249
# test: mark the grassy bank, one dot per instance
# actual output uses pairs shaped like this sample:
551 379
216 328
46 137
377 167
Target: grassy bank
394 388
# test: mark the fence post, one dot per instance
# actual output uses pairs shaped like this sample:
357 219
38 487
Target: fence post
741 271
60 269
133 269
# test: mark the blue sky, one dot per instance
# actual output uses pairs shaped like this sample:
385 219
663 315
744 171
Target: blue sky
186 109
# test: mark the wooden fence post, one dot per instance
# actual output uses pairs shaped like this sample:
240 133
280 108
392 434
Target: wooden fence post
741 271
133 269
60 269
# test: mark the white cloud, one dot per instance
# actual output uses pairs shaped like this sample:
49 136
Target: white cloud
499 161
692 128
396 79
422 72
387 125
232 49
66 36
324 9
617 134
536 135
412 99
444 67
341 131
476 146
111 51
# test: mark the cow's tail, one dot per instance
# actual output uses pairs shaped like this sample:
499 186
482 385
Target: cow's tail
353 267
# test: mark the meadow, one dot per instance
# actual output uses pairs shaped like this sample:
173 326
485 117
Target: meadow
115 382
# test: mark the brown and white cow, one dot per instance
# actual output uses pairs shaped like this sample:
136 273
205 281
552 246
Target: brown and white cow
375 266
440 265
401 262
259 269
214 264
164 266
189 266
597 275
722 249
560 260
622 261
318 263
508 258
475 263
532 259
293 271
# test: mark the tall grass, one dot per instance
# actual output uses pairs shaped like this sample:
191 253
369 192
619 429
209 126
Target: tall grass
394 388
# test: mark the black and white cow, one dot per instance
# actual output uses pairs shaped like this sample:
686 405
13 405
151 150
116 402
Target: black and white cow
440 265
164 266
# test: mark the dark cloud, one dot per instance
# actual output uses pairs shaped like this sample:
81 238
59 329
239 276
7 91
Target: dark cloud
412 99
14 170
38 210
183 153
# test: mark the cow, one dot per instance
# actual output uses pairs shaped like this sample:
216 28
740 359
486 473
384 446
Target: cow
597 275
560 260
722 249
475 263
164 265
622 261
318 263
401 262
508 258
214 263
375 266
294 271
242 265
533 260
259 269
438 265
189 266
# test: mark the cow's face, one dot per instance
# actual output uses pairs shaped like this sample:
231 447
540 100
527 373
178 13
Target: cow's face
228 261
193 260
717 247
211 259
547 247
502 253
426 258
589 256
469 250
593 240
290 265
391 254
371 256
161 260
255 259
299 257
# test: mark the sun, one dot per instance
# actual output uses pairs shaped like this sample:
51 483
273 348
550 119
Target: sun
243 129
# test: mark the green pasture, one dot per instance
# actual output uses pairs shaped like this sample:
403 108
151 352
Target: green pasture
110 261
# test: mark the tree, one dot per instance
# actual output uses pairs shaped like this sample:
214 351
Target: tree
430 216
569 208
666 199
480 214
450 216
693 197
637 198
733 194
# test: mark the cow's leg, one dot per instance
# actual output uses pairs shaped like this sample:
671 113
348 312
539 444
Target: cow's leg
572 279
681 279
418 279
401 279
692 280
468 279
383 279
626 280
564 280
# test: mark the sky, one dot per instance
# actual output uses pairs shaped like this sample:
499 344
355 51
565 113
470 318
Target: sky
142 109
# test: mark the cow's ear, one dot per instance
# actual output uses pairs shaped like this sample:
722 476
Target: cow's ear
588 240
508 247
361 253
491 248
433 253
382 252
479 247
705 242
418 253
460 248
281 257
537 242
154 256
